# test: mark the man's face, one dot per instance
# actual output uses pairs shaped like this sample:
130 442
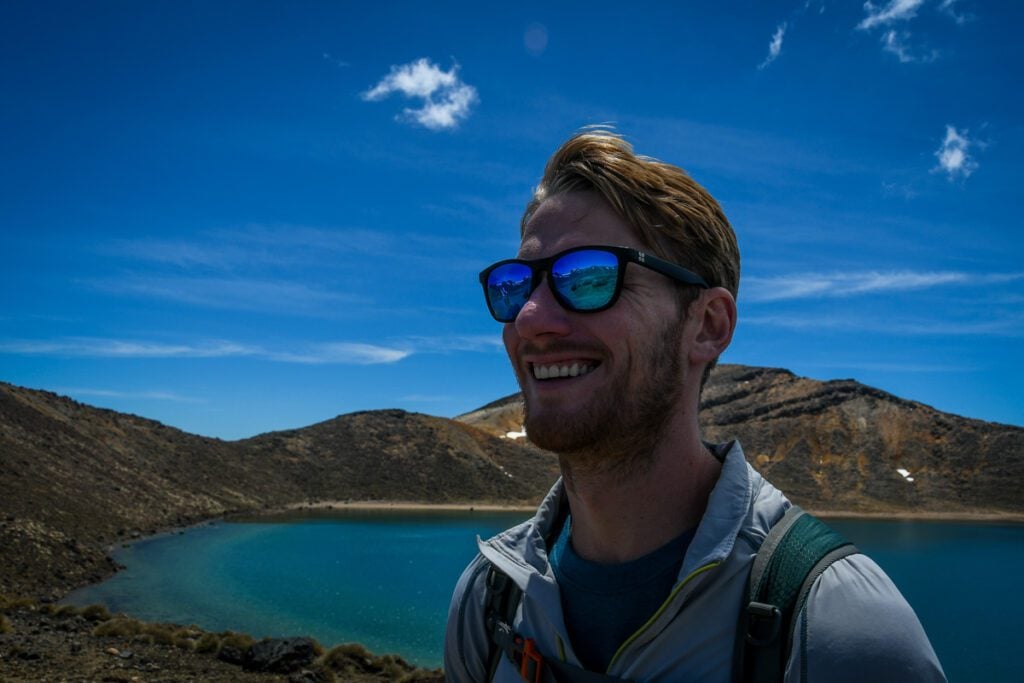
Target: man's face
628 359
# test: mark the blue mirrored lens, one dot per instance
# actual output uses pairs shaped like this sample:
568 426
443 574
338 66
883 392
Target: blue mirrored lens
508 289
586 279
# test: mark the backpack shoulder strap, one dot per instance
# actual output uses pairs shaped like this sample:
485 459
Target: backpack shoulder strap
794 554
501 603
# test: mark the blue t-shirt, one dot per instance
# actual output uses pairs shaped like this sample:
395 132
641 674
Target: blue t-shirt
604 604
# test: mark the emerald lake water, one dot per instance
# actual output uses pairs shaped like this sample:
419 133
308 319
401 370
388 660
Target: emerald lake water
384 579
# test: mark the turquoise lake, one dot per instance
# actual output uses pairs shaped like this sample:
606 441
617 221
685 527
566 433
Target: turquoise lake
384 579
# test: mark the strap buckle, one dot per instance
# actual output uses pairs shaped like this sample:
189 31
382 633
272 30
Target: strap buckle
532 663
763 624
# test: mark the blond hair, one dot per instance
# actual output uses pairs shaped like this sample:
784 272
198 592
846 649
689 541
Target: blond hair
674 217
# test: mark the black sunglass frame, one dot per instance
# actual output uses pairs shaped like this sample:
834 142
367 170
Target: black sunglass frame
623 255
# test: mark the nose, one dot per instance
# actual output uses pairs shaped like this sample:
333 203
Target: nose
542 315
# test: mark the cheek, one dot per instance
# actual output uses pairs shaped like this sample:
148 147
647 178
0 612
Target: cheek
511 339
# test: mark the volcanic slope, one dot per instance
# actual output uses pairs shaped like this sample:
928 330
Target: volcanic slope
840 446
75 479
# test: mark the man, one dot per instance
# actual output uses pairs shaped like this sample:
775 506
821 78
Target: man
622 297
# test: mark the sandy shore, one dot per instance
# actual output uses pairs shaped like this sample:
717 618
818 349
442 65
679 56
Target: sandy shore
411 506
966 517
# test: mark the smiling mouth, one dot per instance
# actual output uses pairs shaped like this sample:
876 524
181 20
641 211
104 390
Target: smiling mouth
560 370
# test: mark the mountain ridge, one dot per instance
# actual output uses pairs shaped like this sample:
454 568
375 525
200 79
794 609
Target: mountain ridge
77 479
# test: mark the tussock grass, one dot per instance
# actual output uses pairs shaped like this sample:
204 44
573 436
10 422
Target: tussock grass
353 658
10 604
118 627
60 611
208 642
241 641
96 613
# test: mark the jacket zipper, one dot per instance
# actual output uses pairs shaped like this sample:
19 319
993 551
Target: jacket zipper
664 606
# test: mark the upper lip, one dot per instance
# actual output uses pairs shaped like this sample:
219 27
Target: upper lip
557 360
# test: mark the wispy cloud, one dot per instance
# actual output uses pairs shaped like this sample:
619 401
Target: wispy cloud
354 353
892 367
898 42
146 395
445 98
308 353
340 63
245 294
456 343
1011 326
948 7
251 247
895 42
343 352
775 46
425 398
895 10
820 286
953 156
117 348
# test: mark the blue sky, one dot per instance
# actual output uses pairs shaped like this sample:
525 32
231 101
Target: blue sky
240 217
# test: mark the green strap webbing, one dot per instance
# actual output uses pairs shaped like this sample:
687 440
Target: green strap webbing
796 551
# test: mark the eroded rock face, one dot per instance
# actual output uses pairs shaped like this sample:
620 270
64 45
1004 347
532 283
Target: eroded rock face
841 446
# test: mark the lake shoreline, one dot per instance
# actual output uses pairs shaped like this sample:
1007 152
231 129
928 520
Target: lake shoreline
925 516
995 517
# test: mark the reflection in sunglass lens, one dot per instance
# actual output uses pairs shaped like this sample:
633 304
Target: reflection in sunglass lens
508 288
586 279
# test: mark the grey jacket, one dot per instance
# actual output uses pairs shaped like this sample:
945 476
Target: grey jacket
859 627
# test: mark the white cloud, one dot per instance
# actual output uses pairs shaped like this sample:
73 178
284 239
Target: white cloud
148 395
446 100
895 42
244 294
331 352
455 343
117 348
775 46
1002 327
818 286
343 352
953 155
896 10
948 8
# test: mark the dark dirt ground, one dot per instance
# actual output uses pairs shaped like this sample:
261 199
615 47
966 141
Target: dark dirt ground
37 646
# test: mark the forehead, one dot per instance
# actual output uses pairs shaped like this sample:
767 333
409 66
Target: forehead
571 220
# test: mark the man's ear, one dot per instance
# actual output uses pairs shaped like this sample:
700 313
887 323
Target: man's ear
715 317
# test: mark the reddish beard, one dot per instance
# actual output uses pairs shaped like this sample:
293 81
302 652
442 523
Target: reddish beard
616 430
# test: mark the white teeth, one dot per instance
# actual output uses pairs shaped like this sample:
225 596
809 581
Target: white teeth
551 371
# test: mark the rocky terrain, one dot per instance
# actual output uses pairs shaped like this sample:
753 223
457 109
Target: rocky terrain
839 446
76 480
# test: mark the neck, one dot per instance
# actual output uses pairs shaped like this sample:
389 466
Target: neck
619 517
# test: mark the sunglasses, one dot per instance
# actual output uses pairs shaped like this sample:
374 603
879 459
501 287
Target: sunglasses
582 279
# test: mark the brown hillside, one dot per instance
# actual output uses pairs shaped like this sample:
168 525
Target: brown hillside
836 446
75 479
394 455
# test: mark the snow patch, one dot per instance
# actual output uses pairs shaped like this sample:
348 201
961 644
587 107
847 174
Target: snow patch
904 473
